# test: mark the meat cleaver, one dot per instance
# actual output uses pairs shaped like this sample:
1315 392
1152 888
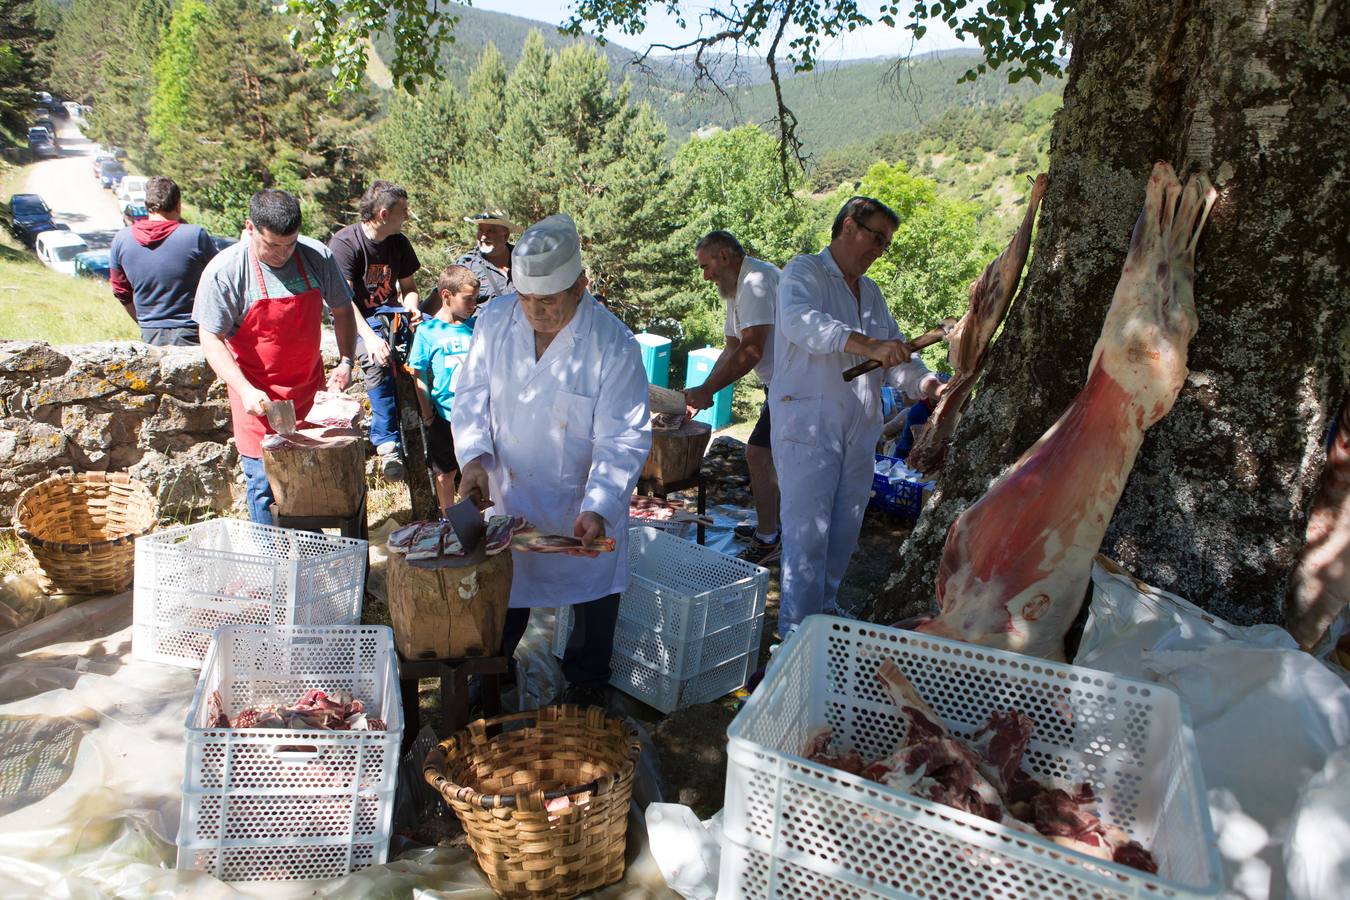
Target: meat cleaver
938 332
466 519
281 416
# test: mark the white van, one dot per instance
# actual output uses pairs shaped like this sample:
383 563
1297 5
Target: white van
131 189
58 249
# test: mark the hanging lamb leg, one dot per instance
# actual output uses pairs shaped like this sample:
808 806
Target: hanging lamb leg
1016 565
1320 587
990 297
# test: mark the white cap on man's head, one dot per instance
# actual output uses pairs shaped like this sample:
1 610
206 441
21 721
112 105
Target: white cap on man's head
547 257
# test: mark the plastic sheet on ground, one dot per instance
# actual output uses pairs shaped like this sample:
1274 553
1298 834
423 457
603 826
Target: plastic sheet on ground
721 535
1267 718
91 774
1271 722
687 851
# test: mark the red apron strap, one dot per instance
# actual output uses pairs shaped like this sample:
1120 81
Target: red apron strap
257 271
300 264
262 285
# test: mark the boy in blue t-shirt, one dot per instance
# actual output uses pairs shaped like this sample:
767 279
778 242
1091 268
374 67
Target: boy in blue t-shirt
438 350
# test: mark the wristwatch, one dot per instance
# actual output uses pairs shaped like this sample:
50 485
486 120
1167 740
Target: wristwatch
345 361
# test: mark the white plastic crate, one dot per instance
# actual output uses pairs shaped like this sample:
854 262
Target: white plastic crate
794 828
688 612
272 804
668 693
192 579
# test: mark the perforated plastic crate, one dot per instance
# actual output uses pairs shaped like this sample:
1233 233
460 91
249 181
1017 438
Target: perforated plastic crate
274 804
899 498
688 611
668 693
192 579
794 828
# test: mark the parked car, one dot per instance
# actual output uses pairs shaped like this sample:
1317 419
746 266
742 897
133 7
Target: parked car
223 242
49 126
27 216
73 109
99 159
134 212
58 250
93 264
41 145
110 174
131 189
54 104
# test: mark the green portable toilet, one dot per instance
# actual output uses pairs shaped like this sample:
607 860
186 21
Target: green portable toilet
700 366
655 358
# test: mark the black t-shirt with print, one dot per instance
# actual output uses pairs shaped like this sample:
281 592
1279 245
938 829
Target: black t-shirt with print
373 269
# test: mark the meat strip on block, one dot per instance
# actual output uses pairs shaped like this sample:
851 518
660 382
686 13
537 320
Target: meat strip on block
968 351
1017 564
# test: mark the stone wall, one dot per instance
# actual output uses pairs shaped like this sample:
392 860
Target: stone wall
157 413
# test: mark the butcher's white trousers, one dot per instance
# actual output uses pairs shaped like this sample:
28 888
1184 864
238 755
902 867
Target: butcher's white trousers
824 487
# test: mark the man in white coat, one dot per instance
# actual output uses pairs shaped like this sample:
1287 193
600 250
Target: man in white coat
825 430
551 423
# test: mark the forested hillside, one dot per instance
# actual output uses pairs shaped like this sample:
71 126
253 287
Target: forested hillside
983 156
840 103
858 102
211 94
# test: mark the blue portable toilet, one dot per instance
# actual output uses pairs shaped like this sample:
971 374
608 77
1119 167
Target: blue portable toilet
700 366
655 358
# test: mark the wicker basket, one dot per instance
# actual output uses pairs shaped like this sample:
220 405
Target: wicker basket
499 782
83 528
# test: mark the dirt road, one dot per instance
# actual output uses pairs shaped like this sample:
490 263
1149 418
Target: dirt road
68 185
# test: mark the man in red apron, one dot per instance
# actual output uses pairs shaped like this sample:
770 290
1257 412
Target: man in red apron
259 310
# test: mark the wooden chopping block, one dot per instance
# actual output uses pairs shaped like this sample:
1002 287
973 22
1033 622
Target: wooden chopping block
326 477
678 454
449 613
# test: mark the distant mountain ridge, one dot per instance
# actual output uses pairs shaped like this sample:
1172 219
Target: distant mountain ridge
842 103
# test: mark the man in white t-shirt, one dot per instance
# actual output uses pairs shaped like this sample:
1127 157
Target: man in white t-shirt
750 288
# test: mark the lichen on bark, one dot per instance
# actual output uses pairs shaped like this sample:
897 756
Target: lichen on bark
1216 505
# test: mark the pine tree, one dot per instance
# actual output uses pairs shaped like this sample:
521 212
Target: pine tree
104 54
23 60
423 141
237 110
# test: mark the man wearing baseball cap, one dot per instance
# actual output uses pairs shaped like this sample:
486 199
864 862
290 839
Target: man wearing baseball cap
490 259
551 423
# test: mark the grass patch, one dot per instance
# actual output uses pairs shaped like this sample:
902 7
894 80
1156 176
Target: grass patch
40 304
14 556
44 305
385 499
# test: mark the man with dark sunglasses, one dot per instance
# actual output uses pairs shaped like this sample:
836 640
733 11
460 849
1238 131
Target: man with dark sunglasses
824 430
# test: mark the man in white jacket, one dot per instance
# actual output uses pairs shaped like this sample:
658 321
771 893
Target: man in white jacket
551 423
830 318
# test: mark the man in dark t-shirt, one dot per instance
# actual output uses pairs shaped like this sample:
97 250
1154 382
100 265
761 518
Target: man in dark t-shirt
154 266
378 262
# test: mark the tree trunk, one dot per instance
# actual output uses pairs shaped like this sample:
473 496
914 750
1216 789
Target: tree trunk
1256 95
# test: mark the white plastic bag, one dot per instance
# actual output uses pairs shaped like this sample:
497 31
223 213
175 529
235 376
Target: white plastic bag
1317 853
1267 718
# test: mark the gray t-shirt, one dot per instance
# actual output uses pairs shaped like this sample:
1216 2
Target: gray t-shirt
229 287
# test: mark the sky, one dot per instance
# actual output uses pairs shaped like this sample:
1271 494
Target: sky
877 40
